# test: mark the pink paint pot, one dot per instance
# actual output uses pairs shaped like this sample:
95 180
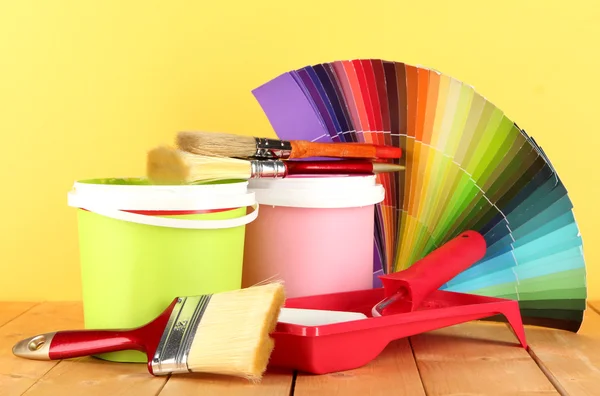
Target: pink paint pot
314 233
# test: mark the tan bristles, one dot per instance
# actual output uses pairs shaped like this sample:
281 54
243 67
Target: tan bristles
166 165
217 144
233 335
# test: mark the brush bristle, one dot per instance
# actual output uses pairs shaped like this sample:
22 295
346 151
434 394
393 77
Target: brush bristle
167 165
233 334
217 144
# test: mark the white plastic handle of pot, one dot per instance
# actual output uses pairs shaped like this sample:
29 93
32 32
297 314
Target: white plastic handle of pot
176 223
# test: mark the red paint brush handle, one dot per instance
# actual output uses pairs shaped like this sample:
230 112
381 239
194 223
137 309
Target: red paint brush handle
413 284
76 343
329 167
306 149
69 344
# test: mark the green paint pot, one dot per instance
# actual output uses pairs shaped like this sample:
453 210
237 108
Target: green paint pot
142 245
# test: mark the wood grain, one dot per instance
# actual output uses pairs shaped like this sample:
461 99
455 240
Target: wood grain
477 358
275 383
393 372
571 359
84 376
17 374
9 311
94 377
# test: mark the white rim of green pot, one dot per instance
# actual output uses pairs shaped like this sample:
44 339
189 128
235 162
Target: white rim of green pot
158 221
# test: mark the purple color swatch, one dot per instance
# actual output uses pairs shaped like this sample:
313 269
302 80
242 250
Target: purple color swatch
289 111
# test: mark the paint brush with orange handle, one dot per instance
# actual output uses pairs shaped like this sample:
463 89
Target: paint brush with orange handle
240 146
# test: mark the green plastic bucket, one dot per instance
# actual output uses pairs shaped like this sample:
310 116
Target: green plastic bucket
142 245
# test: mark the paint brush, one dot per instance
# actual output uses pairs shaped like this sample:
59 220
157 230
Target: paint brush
240 146
222 333
167 165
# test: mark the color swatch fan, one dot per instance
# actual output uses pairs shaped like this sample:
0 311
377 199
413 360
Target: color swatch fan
468 167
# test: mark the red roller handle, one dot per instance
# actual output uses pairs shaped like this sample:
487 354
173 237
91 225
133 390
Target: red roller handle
409 287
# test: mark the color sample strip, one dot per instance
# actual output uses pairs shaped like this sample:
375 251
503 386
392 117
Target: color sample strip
401 141
329 77
407 222
391 122
353 94
361 88
344 124
314 88
348 98
369 96
421 157
378 93
289 111
360 73
374 107
336 110
468 166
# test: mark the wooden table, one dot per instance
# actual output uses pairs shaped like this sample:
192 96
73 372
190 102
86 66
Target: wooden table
476 358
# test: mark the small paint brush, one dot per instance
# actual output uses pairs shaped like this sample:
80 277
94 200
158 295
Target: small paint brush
222 333
240 146
167 165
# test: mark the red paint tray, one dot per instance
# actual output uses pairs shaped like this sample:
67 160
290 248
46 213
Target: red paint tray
344 346
417 307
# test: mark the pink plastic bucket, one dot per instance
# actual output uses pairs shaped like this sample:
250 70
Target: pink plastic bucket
314 233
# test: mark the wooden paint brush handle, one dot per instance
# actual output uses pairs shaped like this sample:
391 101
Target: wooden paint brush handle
306 149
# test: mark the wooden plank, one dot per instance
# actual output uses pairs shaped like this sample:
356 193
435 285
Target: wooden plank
87 376
94 377
17 374
474 358
274 383
477 358
571 360
393 372
11 310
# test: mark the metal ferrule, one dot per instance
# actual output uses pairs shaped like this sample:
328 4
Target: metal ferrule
272 148
268 169
173 350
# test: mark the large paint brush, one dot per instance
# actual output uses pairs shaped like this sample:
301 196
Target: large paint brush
241 146
223 333
167 165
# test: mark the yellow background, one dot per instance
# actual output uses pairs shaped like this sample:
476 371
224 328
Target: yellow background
87 86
